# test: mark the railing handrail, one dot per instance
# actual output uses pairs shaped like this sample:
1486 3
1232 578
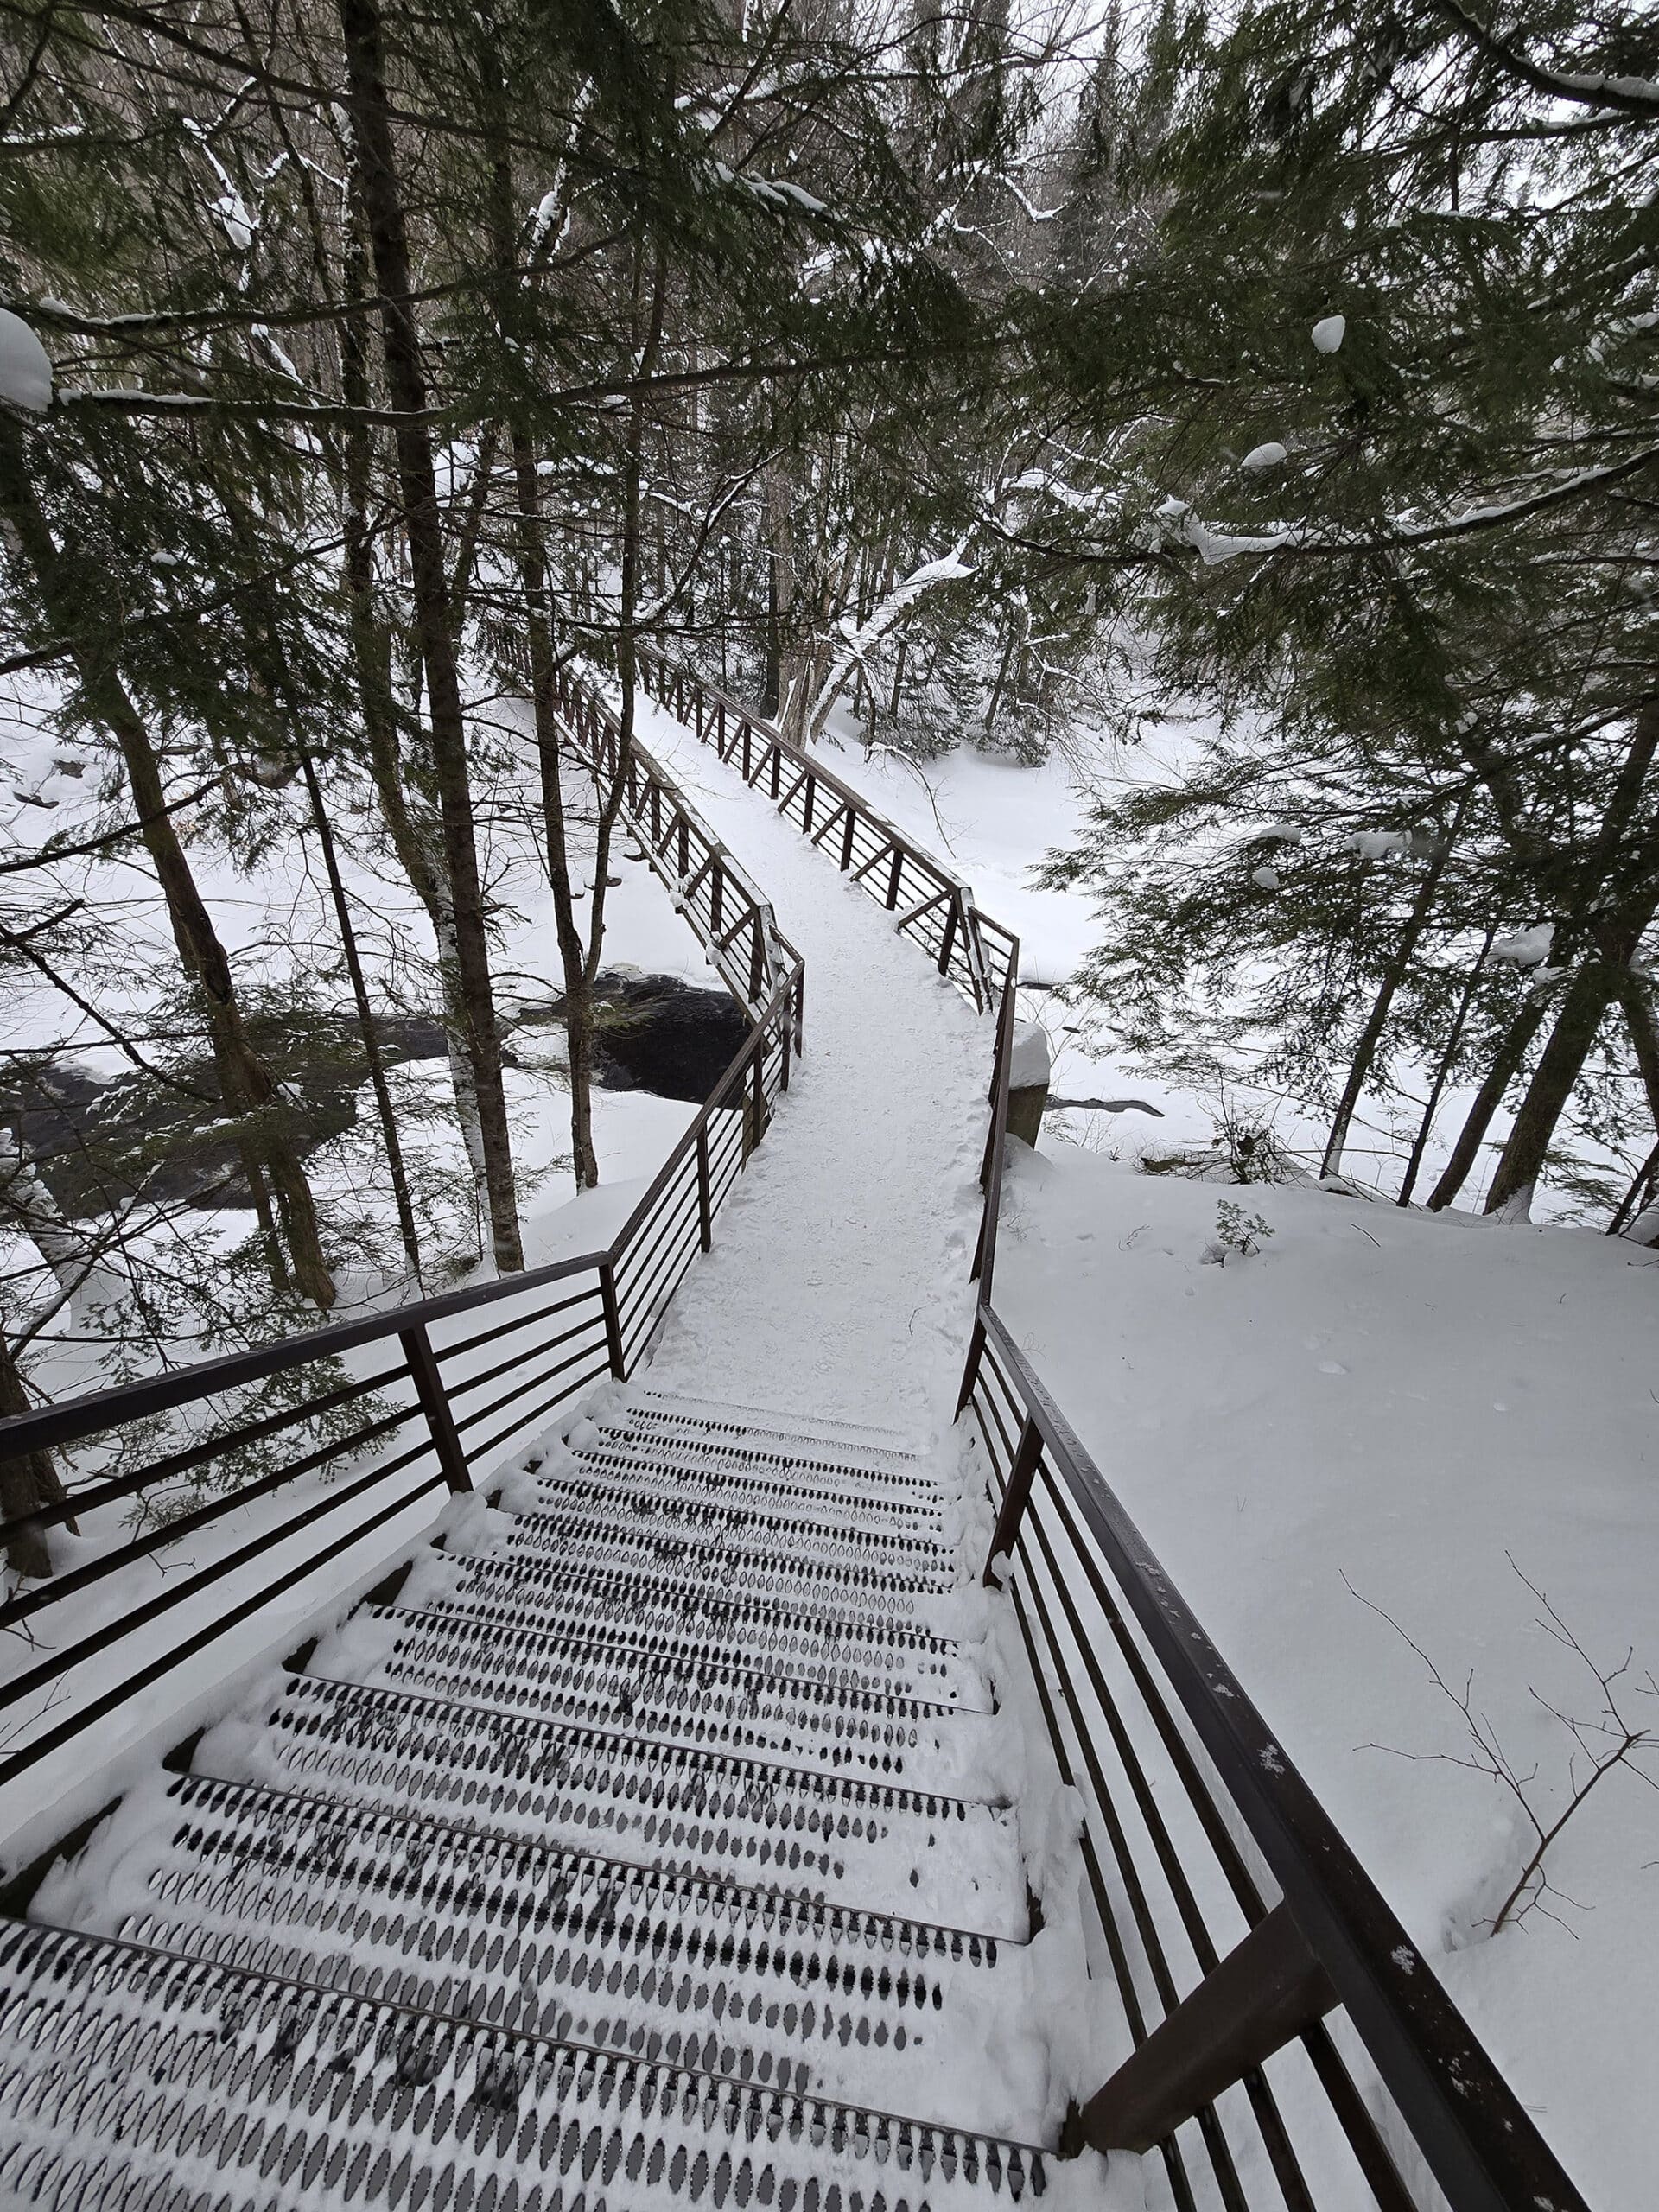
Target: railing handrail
974 925
844 791
1470 2125
1477 2136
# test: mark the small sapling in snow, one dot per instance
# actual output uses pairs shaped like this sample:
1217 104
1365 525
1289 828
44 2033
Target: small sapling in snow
1603 1736
1237 1233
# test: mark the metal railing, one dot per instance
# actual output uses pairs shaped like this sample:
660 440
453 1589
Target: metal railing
433 1391
928 902
1257 1959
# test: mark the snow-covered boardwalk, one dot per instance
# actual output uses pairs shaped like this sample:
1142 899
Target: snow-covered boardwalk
838 1286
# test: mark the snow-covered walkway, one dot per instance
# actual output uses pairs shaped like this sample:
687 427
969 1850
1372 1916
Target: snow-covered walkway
837 1286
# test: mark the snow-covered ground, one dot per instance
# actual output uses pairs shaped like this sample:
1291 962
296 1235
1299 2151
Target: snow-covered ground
1424 1408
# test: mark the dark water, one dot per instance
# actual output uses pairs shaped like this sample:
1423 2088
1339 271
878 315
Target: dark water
101 1141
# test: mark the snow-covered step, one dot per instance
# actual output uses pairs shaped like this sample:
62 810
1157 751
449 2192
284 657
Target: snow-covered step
886 1848
692 1695
646 1611
645 1494
756 1986
770 1420
132 2082
859 1574
767 1484
712 1438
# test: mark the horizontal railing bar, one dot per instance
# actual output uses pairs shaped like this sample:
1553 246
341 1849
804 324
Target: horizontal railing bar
440 1352
104 1490
1483 2149
16 1762
458 1389
177 1593
75 1578
734 1075
645 1287
543 1410
508 1397
673 1209
73 1420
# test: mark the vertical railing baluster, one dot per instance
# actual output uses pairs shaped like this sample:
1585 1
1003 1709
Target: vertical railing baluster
1015 1498
435 1404
613 1318
705 1196
951 920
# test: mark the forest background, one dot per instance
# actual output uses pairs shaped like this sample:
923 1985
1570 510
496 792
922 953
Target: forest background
947 383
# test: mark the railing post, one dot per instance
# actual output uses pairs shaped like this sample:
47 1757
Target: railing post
756 957
895 875
783 1078
749 733
800 1008
847 840
811 795
716 895
435 1404
613 1319
777 770
951 920
971 1366
705 1196
1015 1497
1265 1993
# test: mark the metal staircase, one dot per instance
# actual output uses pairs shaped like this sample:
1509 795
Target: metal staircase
637 1860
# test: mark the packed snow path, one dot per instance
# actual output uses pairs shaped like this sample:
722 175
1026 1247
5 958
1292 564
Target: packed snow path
643 1844
839 1282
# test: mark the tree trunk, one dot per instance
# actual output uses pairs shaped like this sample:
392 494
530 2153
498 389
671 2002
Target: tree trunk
1589 994
249 1090
1442 1074
578 993
1507 1061
406 386
1370 1037
28 1482
366 1024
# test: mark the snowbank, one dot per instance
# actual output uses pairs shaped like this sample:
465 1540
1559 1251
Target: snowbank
1401 1402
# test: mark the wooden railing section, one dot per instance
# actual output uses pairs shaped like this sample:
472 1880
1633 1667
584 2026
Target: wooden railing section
927 901
446 1383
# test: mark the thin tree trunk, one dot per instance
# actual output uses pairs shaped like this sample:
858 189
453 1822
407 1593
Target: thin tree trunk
366 1023
1644 1039
1370 1037
249 1090
29 1481
1591 991
1442 1074
406 386
1505 1064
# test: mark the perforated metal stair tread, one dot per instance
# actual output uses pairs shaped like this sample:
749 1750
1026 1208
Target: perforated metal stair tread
690 1696
757 1484
769 1421
128 2079
849 1842
753 1985
712 1445
858 1576
643 1496
638 1611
